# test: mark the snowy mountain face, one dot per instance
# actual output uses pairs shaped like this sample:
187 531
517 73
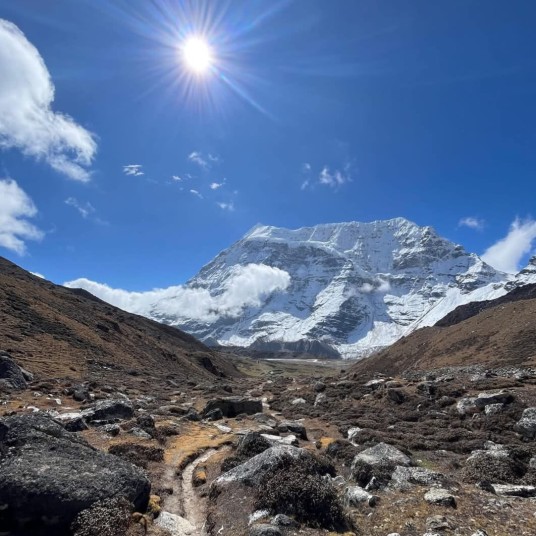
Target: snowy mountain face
338 289
354 287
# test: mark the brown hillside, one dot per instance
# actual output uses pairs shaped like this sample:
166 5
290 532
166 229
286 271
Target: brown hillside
58 332
503 335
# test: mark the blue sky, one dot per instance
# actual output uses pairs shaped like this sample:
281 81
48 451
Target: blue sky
312 112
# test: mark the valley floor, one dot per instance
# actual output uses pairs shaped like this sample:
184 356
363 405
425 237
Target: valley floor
437 452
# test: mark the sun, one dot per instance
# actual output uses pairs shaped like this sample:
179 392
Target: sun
197 55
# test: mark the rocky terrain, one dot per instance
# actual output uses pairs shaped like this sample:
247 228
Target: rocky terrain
235 446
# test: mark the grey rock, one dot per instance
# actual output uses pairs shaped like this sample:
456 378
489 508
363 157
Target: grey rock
512 490
404 477
526 426
277 440
263 529
441 497
480 532
11 373
139 432
493 409
215 414
252 471
396 396
437 523
381 453
80 394
175 524
281 520
109 410
320 399
77 424
467 406
111 429
355 495
319 387
47 471
497 397
295 427
233 406
299 401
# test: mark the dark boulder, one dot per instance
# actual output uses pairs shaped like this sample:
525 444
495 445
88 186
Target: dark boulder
10 373
49 473
233 406
106 411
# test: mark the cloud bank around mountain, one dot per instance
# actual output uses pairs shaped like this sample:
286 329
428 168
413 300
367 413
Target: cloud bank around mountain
507 254
27 121
246 286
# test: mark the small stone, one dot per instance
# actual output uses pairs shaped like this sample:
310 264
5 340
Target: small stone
298 401
355 496
281 520
263 529
437 523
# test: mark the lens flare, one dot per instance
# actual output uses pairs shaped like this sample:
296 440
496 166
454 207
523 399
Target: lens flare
197 55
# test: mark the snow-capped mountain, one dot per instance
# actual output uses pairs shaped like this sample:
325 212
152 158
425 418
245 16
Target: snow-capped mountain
336 289
353 287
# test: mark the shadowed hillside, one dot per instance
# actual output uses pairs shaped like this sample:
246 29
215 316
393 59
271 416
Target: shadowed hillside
59 332
494 333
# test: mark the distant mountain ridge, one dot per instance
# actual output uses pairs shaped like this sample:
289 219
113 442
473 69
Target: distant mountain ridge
354 287
343 289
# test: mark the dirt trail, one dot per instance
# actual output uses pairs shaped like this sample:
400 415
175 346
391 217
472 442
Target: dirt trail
185 501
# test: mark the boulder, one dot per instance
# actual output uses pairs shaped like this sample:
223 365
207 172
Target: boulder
441 497
294 427
355 496
382 453
106 411
319 387
49 472
320 399
215 414
252 472
498 397
404 477
233 406
526 426
467 406
10 373
512 490
493 409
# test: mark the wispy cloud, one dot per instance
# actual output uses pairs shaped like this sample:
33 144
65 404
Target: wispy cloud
336 178
472 223
176 178
196 193
85 209
15 210
217 185
202 160
27 121
245 286
227 206
507 254
306 167
133 169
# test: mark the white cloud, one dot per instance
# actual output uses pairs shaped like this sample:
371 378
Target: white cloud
27 121
196 193
305 184
306 167
176 178
217 185
246 286
203 161
37 274
334 179
472 223
227 206
85 209
15 209
133 169
379 285
507 253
